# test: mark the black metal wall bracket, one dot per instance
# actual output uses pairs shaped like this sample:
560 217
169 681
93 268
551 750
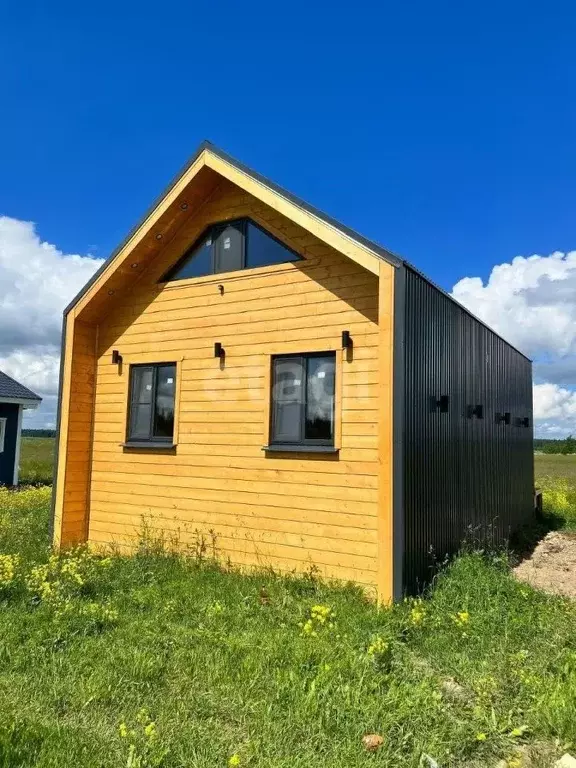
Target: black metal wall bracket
523 422
440 404
475 410
219 350
347 342
503 418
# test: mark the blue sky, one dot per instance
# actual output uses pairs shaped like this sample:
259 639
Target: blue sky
446 131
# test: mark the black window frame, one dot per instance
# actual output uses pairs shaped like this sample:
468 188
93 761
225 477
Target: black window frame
213 232
151 439
303 442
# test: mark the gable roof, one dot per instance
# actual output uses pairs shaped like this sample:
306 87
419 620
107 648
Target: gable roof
10 389
347 241
361 249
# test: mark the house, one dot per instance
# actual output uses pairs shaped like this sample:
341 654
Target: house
247 373
14 399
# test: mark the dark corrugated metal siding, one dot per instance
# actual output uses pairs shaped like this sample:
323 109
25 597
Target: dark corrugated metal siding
463 477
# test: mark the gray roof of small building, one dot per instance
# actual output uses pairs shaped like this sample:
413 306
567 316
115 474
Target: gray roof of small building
10 389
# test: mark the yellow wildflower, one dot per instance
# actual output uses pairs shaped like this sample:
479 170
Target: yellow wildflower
150 731
377 646
143 716
8 566
321 613
461 618
234 761
417 616
321 616
215 608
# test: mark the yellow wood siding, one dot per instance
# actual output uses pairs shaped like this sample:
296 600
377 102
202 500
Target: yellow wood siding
386 439
75 438
288 511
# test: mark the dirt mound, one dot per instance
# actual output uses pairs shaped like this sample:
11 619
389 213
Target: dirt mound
552 566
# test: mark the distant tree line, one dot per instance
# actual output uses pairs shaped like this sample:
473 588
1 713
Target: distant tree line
38 433
565 446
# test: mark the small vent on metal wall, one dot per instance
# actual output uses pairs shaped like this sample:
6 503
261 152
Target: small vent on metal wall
523 422
440 404
503 418
475 410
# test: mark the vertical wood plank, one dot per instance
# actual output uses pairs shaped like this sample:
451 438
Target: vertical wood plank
267 414
385 434
339 372
75 437
62 436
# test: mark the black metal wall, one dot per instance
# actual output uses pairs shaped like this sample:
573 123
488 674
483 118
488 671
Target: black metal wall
464 477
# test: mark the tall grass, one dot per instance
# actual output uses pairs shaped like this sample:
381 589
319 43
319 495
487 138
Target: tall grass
163 660
559 501
37 460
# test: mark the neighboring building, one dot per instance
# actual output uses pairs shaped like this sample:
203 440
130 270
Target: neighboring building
244 370
14 399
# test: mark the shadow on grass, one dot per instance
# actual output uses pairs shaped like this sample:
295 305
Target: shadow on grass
494 545
525 540
36 481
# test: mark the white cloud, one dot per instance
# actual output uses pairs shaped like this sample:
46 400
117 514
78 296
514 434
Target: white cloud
531 303
554 410
36 367
37 281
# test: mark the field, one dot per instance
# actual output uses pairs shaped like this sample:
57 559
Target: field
165 660
36 460
556 476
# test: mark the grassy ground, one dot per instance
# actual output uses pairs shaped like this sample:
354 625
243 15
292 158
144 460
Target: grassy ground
159 660
556 476
555 465
36 460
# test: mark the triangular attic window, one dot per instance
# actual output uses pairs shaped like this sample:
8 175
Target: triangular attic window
230 246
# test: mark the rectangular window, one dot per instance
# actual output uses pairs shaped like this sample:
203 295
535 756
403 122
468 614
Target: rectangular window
2 434
151 405
302 399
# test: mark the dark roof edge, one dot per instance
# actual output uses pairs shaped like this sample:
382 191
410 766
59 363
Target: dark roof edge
461 306
378 250
383 253
27 394
150 210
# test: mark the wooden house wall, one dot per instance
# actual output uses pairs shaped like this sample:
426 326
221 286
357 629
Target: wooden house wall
219 488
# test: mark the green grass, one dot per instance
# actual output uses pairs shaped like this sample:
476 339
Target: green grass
555 465
556 477
36 461
159 660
